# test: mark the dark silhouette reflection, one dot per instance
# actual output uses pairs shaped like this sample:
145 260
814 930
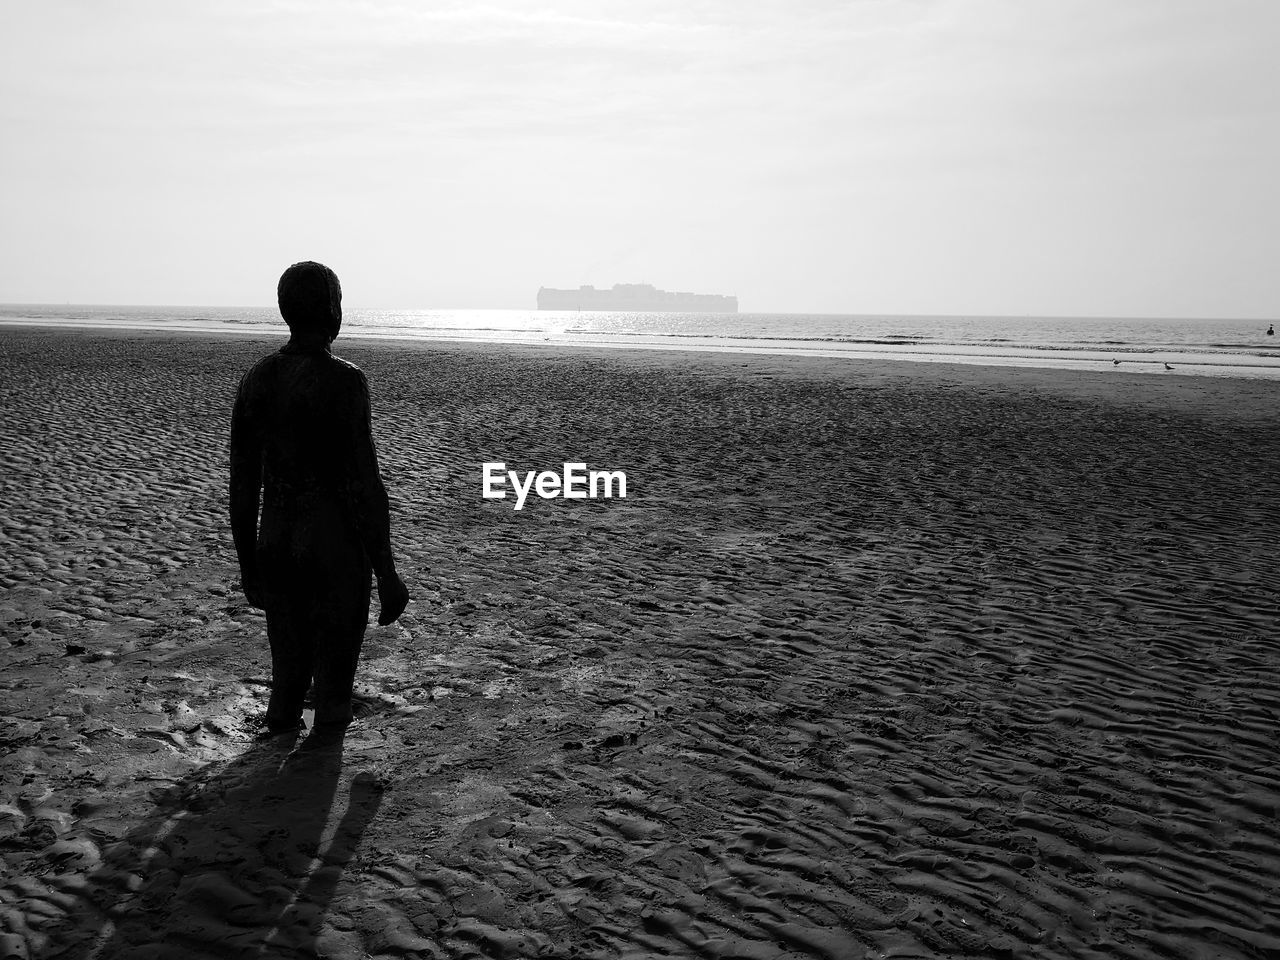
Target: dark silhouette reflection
302 443
239 862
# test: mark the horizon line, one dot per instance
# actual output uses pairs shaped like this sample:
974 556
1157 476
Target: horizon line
784 313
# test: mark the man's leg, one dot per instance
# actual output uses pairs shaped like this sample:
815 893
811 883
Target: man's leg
293 622
291 633
340 636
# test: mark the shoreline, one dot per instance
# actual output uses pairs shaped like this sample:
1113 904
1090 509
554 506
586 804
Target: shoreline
875 658
1160 363
1243 397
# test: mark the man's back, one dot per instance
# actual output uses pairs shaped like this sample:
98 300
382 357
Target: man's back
306 409
307 415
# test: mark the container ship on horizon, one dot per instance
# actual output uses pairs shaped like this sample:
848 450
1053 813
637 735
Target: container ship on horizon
641 297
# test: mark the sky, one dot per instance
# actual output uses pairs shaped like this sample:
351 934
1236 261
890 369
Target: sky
1006 157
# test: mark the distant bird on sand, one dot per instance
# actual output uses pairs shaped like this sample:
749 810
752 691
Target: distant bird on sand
1116 362
1167 367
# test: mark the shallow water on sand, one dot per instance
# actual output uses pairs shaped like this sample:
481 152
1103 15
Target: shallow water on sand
1187 347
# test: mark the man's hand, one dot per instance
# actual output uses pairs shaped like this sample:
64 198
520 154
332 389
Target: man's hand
393 596
252 591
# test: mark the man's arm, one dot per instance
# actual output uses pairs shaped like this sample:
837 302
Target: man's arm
373 513
246 489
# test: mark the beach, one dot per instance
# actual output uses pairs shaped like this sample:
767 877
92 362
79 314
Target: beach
874 659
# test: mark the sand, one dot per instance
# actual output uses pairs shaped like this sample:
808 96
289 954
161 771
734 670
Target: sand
875 660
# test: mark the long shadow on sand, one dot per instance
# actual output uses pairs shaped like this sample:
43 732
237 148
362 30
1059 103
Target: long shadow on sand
241 860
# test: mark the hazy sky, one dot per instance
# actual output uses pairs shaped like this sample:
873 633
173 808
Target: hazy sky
1110 157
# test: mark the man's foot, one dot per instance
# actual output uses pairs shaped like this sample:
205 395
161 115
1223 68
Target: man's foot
334 716
324 734
274 728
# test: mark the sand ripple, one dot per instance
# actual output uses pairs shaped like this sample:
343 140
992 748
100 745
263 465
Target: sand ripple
873 663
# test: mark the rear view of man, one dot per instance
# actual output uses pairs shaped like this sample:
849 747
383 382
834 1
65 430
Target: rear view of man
301 441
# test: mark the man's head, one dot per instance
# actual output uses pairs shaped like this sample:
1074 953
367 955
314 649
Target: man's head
310 300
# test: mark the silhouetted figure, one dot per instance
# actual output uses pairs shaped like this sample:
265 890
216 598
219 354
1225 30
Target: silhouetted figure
301 438
1271 330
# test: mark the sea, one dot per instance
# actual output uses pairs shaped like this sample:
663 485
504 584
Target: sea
1217 347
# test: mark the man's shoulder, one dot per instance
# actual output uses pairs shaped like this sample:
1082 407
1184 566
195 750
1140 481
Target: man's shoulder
260 369
348 368
283 357
349 375
265 375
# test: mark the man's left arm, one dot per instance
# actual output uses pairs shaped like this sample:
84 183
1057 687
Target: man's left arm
246 491
373 513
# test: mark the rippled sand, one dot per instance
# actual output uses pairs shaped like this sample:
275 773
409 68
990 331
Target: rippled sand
875 660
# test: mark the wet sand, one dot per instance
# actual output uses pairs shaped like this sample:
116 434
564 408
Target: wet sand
875 660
